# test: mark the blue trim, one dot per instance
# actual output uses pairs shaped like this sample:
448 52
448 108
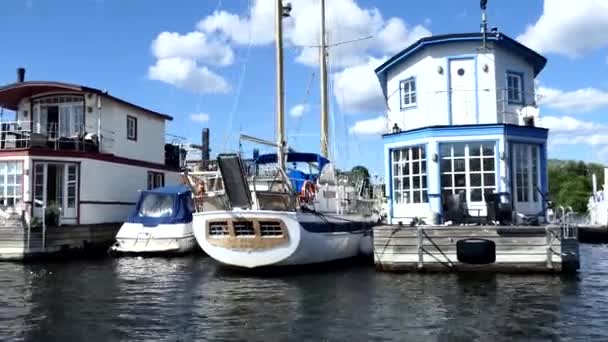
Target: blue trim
411 106
497 166
513 131
537 61
449 89
521 78
544 183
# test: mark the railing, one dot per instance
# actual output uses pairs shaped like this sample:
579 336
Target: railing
19 135
435 105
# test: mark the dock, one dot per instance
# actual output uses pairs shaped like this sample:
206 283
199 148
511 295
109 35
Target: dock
542 249
19 243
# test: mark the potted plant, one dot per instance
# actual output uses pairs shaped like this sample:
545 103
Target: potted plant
51 215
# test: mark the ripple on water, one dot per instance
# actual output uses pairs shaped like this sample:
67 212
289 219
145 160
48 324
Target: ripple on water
191 298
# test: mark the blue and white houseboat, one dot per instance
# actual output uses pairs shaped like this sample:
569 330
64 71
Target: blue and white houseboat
463 120
466 161
161 223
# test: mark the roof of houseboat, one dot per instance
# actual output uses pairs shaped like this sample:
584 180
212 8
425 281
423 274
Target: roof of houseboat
500 39
11 94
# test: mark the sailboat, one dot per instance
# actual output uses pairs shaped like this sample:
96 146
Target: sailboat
289 208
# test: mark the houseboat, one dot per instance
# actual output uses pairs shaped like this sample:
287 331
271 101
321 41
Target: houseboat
465 160
71 164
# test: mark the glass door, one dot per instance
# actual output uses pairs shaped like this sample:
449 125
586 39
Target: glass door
56 184
525 178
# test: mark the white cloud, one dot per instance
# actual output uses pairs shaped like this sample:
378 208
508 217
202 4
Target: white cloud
194 46
568 124
345 20
567 130
575 101
298 110
186 74
375 126
567 27
257 26
199 117
357 89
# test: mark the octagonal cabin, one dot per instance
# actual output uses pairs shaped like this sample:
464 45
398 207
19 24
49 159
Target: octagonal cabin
462 113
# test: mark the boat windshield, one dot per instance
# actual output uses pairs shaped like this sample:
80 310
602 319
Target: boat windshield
156 205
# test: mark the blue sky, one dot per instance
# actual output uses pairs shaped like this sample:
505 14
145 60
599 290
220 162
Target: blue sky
211 63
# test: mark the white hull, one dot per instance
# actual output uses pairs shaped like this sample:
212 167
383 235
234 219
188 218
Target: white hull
301 246
164 238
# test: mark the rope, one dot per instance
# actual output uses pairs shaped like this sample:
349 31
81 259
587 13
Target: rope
438 249
237 97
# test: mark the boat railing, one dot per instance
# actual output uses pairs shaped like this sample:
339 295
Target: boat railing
25 135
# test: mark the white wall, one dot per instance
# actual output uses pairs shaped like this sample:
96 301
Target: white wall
432 87
111 182
150 143
507 61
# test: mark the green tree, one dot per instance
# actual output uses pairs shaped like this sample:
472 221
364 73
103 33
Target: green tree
570 182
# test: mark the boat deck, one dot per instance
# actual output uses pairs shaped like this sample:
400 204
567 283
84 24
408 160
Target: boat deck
476 248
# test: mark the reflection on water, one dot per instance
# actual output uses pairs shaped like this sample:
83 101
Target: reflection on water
192 298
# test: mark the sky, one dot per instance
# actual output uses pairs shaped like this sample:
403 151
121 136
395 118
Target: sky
211 63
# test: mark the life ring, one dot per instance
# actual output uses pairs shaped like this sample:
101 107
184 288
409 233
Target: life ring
308 192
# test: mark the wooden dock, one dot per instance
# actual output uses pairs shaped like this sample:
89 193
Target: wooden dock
482 248
84 240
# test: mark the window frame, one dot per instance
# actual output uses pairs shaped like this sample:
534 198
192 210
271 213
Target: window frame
131 118
412 104
16 195
407 161
520 77
467 156
155 179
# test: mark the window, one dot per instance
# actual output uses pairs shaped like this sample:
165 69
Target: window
468 167
407 90
131 127
409 175
11 182
59 115
515 88
155 180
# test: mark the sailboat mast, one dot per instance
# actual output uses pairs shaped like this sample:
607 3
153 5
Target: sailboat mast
280 92
323 72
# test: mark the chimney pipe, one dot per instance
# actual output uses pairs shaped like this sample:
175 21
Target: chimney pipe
20 75
205 149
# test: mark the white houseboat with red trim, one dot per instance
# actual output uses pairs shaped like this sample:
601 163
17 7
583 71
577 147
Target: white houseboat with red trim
71 164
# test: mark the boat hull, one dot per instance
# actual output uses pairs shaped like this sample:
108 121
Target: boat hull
134 238
306 238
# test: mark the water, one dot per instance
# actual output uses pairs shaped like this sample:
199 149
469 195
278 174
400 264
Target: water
191 298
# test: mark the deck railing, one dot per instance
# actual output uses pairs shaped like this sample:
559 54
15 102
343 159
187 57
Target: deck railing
19 135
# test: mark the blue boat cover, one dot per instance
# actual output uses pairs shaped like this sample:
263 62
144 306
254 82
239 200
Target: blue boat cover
166 205
297 177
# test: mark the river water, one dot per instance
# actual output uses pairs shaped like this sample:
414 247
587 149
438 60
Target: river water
192 298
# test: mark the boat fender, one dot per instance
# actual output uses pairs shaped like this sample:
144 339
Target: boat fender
308 191
476 251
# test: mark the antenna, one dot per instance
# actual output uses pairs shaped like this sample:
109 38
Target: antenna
483 4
